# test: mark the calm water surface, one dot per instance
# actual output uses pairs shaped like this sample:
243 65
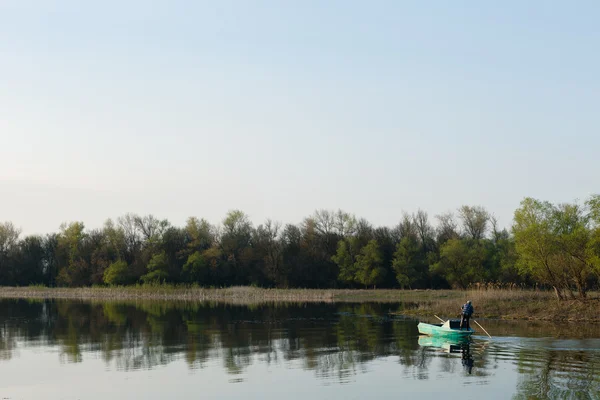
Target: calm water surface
160 350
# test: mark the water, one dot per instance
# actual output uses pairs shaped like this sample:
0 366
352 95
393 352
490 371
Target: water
160 350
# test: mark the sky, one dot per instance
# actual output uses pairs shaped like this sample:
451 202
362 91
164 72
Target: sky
194 108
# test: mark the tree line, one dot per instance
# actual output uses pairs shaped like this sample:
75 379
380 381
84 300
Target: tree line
553 245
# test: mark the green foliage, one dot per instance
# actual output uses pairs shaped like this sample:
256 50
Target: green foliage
461 262
157 269
556 244
369 265
345 260
593 205
199 233
116 273
550 245
407 262
196 268
593 251
74 271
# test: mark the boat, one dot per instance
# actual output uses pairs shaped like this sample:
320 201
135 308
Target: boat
449 329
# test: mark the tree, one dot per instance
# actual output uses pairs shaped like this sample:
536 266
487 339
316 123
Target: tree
369 265
200 234
131 236
29 261
344 223
536 244
219 271
235 242
407 262
573 235
157 269
424 229
173 244
268 251
324 221
9 236
461 262
593 246
72 268
116 273
151 227
475 221
345 258
196 269
447 228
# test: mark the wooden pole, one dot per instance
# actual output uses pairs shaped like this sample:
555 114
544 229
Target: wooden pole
482 328
439 318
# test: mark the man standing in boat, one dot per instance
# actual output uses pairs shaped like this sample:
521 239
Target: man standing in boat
467 311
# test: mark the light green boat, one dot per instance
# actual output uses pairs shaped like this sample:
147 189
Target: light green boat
450 329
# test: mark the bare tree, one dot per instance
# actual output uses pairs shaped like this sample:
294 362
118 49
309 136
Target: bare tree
422 226
150 226
474 220
407 227
324 221
345 223
447 227
9 235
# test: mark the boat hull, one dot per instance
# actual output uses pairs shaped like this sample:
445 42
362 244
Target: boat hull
438 330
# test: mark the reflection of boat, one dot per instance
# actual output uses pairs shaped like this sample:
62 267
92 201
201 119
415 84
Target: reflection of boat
450 345
450 329
459 346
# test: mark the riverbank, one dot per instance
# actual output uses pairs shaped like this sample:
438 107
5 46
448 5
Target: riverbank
496 304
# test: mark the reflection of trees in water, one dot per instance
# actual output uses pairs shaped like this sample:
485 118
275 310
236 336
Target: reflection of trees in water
7 345
331 340
334 341
558 374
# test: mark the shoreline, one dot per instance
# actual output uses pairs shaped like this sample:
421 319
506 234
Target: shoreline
489 304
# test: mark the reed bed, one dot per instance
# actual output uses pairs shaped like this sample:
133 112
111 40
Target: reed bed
488 303
170 292
511 304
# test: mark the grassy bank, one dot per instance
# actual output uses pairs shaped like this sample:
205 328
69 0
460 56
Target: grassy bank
509 305
497 304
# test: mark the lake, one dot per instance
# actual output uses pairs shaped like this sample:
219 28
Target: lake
64 349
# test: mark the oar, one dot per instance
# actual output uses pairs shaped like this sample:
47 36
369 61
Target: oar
482 328
439 318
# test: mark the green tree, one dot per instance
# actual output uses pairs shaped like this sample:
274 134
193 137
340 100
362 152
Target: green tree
72 269
157 269
571 227
369 265
536 244
235 243
345 258
593 246
197 269
556 244
200 234
116 273
407 262
461 262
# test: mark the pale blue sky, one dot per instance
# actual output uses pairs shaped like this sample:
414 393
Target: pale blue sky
182 108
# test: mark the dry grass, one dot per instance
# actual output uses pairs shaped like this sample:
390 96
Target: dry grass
512 304
170 292
494 303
